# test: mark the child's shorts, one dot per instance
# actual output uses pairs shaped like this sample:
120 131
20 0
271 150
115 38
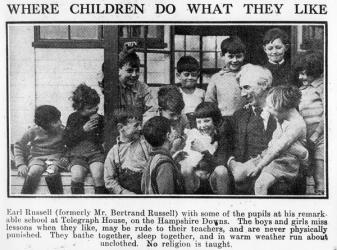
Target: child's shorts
130 180
286 166
86 159
45 161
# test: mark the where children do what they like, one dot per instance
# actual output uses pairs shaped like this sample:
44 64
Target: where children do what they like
251 132
192 8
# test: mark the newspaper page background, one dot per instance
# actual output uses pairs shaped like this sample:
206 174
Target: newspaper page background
250 214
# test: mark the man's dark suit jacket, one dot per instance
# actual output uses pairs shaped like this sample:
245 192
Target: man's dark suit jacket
239 123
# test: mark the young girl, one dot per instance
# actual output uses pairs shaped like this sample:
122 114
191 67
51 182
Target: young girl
286 151
84 138
310 70
210 176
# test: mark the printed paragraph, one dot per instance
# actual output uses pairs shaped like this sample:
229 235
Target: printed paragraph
167 228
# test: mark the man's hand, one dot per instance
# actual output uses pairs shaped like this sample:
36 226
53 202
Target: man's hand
22 170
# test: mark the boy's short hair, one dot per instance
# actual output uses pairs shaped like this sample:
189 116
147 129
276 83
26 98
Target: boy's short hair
123 115
155 130
45 115
208 109
131 58
311 63
255 73
285 97
232 45
275 33
84 96
170 98
187 63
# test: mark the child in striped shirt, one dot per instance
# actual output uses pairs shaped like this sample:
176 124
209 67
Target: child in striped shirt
310 70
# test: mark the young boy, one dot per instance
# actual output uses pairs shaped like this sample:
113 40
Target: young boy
210 176
132 91
170 105
275 45
40 149
188 74
311 107
162 175
126 160
223 88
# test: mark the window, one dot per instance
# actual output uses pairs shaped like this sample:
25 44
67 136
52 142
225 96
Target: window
68 36
91 36
312 37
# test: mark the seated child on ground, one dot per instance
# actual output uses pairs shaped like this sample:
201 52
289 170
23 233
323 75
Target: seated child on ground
311 107
188 74
84 137
209 175
40 149
125 162
162 174
286 151
170 106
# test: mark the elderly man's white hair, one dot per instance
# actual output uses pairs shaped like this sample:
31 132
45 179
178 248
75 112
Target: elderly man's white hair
255 73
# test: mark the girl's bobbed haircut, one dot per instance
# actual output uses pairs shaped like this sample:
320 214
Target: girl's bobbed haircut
84 96
285 97
208 109
275 33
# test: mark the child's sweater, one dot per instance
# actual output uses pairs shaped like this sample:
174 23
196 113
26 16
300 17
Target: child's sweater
224 90
38 142
76 137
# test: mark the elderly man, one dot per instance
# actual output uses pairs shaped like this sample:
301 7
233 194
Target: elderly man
252 129
252 125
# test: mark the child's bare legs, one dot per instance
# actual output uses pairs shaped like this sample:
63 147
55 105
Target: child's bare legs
78 174
53 180
32 179
263 182
190 179
97 171
220 178
319 176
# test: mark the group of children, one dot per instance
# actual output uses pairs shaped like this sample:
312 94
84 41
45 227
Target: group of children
153 133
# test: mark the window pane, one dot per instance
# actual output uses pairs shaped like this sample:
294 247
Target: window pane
208 60
54 32
84 32
192 43
196 55
179 42
154 31
208 43
219 61
157 68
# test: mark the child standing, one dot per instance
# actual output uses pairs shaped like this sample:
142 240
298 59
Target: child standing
40 149
170 106
312 109
223 88
125 162
286 151
275 45
84 138
162 174
210 175
188 74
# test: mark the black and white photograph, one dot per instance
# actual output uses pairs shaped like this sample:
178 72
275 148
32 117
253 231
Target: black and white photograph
200 109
